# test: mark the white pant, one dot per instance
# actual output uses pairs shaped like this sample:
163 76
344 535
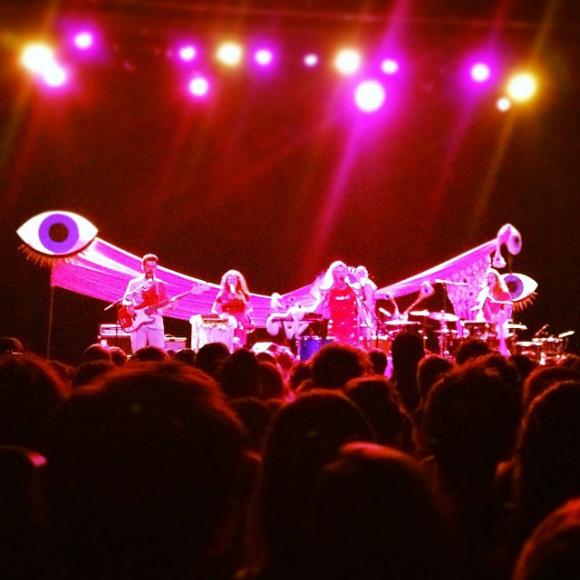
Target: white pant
147 336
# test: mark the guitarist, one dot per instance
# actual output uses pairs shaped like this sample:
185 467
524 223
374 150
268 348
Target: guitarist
147 291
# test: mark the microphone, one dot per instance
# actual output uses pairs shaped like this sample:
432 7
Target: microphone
232 288
450 282
566 334
541 330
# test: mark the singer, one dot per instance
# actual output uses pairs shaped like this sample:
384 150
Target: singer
494 302
144 293
337 301
233 299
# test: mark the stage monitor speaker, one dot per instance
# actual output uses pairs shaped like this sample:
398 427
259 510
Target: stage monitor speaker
175 343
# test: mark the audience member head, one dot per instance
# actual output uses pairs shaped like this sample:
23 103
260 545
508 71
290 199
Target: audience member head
470 420
524 364
335 364
407 350
271 381
376 517
255 415
240 376
470 349
149 354
300 372
378 399
96 352
553 550
211 357
88 371
304 435
118 355
547 466
542 378
185 356
30 392
144 469
10 345
429 371
378 359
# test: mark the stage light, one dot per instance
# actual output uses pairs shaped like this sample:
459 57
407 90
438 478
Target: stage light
480 72
229 53
503 104
522 87
187 53
390 66
310 59
37 57
199 86
369 96
348 61
263 57
83 40
55 76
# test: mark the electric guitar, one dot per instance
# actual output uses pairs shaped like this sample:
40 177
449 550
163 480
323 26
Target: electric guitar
142 314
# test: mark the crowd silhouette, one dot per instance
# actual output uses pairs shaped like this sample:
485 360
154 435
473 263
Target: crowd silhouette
246 466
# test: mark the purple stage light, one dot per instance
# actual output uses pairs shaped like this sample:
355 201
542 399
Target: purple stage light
187 53
480 72
83 40
390 66
369 96
263 57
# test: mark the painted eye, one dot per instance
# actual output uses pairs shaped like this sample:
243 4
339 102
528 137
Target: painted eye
520 286
57 234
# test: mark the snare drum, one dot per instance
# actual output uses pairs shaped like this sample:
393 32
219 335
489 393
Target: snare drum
382 342
308 346
529 348
479 330
551 347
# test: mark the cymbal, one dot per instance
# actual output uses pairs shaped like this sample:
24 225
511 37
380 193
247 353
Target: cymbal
424 313
443 316
401 323
516 326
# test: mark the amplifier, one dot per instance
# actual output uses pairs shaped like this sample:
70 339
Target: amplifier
106 330
175 343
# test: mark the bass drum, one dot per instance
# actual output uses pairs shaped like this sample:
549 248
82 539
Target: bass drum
308 346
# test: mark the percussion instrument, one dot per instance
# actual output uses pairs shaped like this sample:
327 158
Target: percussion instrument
443 316
308 346
477 329
529 348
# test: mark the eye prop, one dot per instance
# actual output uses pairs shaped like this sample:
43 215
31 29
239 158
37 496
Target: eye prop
55 234
522 289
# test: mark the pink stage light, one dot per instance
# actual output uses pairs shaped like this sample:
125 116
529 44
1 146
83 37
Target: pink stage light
480 72
263 57
83 40
187 53
370 96
390 66
199 86
311 59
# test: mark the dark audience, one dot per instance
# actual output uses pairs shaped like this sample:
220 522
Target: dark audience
222 466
